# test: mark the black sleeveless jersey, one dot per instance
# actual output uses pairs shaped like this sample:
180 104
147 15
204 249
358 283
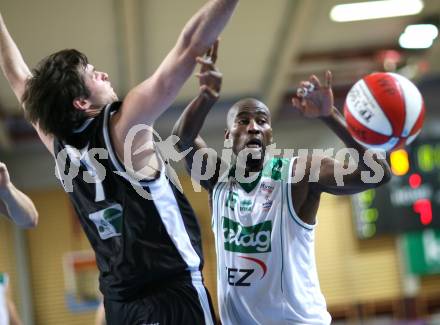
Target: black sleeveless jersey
140 243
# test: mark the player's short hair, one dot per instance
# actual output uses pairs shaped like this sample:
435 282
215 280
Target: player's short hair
48 98
242 102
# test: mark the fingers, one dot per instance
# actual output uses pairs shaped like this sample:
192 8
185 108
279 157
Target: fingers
328 79
305 88
208 53
298 105
300 92
204 60
209 92
208 74
295 102
206 63
305 84
212 80
315 81
214 50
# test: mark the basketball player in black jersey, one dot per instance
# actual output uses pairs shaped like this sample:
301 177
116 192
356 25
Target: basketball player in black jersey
148 250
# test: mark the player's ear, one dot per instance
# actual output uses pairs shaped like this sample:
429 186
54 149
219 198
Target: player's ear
227 134
228 141
81 103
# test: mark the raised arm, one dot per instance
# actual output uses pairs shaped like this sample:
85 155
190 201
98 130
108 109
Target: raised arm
325 174
188 126
14 204
12 63
17 72
146 102
316 101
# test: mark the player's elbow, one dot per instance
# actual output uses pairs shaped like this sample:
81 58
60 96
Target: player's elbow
184 139
177 131
30 222
34 222
178 134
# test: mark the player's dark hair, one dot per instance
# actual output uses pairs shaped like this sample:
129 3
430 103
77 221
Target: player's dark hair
48 98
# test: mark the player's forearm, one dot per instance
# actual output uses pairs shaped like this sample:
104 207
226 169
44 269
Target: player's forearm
337 124
205 26
189 124
11 62
19 207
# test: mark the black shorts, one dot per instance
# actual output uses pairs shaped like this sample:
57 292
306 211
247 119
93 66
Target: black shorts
178 303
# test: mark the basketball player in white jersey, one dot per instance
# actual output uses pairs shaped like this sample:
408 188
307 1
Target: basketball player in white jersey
264 226
8 313
14 204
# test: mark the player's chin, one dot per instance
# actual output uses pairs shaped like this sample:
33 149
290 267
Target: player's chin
253 151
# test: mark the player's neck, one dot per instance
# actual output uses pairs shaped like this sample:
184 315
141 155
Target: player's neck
253 166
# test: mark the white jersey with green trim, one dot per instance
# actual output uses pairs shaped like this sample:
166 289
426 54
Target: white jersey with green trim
4 314
265 252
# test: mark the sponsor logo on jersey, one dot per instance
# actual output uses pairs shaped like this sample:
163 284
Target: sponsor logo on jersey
259 262
250 239
246 206
267 188
108 221
242 277
267 205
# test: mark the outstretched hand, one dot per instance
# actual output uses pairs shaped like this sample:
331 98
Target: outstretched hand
314 100
210 78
